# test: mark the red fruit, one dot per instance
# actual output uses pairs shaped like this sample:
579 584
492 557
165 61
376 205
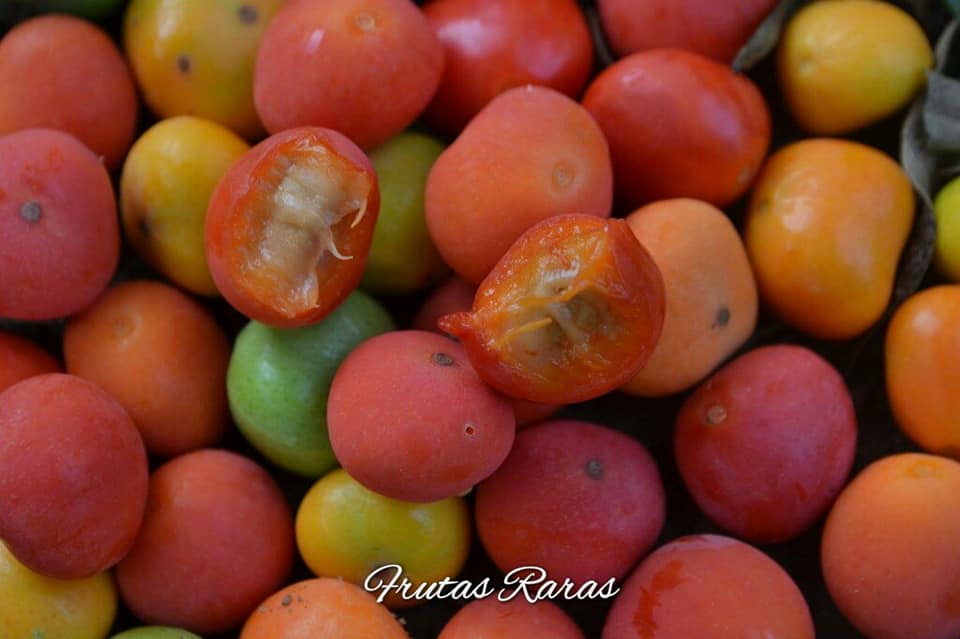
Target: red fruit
490 618
22 359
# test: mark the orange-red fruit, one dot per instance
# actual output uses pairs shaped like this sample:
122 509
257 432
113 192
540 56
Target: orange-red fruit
58 221
217 539
61 72
530 154
366 68
516 618
582 501
889 551
679 125
162 356
21 359
74 480
709 586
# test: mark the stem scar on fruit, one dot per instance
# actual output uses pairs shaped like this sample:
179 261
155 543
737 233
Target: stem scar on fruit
31 211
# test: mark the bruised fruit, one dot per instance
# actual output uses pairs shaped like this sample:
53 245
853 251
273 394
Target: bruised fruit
61 72
532 153
490 618
410 419
21 359
74 480
289 226
571 312
581 501
61 240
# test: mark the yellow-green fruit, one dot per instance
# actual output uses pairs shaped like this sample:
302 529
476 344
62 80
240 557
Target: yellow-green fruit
167 181
947 208
36 607
844 64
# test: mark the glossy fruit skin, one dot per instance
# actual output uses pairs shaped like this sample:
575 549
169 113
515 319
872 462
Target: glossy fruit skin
708 585
67 244
74 485
162 356
345 530
844 64
711 295
38 606
322 609
491 46
787 402
168 178
826 224
250 185
587 265
947 252
279 379
679 125
715 30
402 257
530 154
216 539
155 632
890 545
582 501
408 444
366 68
197 58
89 94
923 368
489 618
23 359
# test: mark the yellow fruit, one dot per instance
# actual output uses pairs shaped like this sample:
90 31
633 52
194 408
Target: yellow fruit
844 64
947 209
33 606
167 181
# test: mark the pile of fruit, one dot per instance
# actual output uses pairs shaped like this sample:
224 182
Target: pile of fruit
487 319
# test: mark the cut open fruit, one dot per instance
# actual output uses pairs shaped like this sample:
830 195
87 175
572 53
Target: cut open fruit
290 225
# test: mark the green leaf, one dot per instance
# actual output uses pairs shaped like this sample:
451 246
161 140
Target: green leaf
764 39
954 6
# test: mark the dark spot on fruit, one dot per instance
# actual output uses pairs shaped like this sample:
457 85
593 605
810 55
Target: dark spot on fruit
286 601
442 359
722 318
469 429
31 211
248 14
594 469
183 63
144 227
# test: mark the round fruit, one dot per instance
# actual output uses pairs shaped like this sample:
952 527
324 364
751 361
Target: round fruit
155 632
167 181
844 64
890 545
947 208
490 618
22 359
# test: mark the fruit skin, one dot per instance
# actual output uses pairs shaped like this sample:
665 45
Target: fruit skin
889 545
168 178
162 356
947 209
715 30
711 296
369 73
230 228
38 606
571 312
68 248
216 539
708 585
679 125
787 402
491 46
489 618
74 481
402 257
155 632
844 64
582 501
279 379
923 369
197 58
530 154
408 444
345 530
322 609
826 224
23 359
89 94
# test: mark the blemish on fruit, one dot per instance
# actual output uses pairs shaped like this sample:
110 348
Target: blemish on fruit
287 600
563 175
143 226
442 359
248 14
716 415
921 470
183 63
722 318
31 211
365 22
469 429
594 469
